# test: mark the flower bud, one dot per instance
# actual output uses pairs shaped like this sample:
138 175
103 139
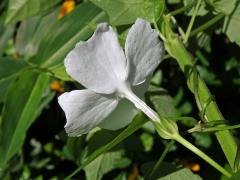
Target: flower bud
166 128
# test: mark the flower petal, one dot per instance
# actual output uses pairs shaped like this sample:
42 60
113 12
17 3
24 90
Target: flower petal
125 111
99 63
120 117
84 110
144 51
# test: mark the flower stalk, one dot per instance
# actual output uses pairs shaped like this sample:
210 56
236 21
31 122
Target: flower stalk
139 104
168 129
192 21
201 154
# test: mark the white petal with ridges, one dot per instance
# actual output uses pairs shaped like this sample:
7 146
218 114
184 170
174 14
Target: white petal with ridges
84 110
144 51
98 64
120 117
125 111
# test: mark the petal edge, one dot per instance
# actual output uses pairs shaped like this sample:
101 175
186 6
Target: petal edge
84 110
99 62
144 51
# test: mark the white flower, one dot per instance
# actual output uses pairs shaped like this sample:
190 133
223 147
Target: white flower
111 77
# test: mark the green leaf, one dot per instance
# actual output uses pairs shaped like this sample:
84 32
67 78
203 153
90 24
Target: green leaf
203 140
157 78
61 38
101 138
137 123
5 34
162 170
162 102
21 9
223 6
203 40
181 174
236 166
74 149
153 9
232 25
173 1
123 12
60 72
28 90
31 31
202 9
10 66
235 176
104 164
147 141
4 84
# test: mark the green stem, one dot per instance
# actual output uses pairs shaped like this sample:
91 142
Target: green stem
237 160
182 9
168 129
192 21
180 30
212 129
177 50
206 25
201 154
157 165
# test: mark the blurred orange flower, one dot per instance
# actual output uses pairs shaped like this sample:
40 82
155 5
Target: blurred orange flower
66 8
135 173
195 167
56 86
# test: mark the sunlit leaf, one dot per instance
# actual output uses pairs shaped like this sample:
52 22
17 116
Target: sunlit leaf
126 11
232 25
21 9
60 72
31 31
223 6
202 9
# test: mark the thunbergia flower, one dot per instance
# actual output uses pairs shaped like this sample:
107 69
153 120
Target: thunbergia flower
111 76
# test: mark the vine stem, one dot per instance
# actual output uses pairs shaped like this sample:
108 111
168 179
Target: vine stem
176 48
189 28
159 162
207 25
182 9
201 154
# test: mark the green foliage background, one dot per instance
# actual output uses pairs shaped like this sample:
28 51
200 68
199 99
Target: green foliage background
33 44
